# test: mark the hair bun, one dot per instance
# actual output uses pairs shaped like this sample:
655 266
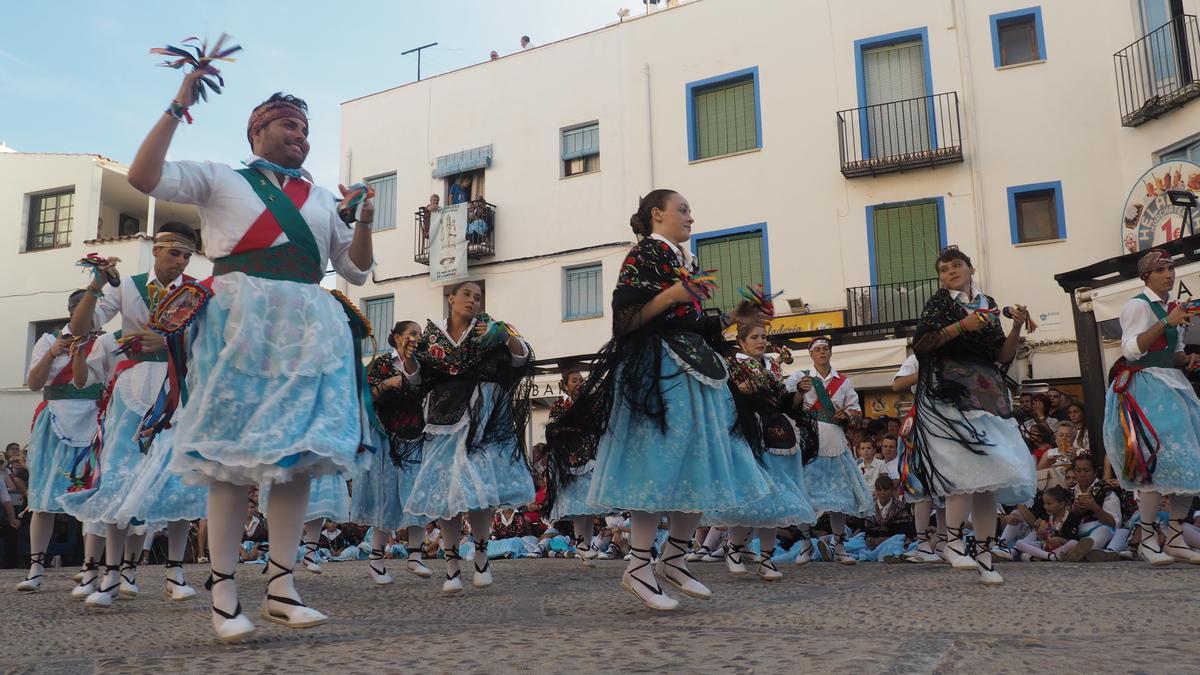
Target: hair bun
638 224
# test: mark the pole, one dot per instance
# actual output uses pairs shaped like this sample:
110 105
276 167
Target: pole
418 51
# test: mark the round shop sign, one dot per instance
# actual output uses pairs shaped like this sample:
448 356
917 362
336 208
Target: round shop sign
1149 217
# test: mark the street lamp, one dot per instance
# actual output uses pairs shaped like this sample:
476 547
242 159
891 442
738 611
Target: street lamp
1188 201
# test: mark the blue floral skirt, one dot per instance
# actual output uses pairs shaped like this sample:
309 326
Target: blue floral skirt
1170 404
378 493
452 480
571 500
786 502
697 465
49 461
328 497
835 485
272 384
158 494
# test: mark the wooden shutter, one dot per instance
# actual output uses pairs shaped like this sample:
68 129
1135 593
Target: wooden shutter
725 118
738 260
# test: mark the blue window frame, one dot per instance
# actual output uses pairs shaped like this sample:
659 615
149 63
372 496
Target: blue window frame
860 74
741 257
380 312
583 295
1035 212
724 131
1018 37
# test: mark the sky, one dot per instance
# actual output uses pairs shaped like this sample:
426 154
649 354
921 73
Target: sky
78 77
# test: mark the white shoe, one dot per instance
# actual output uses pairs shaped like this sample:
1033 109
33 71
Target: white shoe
417 567
1148 547
1002 552
697 555
229 626
714 556
585 553
959 560
806 551
839 551
767 569
733 560
275 608
33 582
483 576
453 582
310 558
78 576
102 598
628 556
82 591
988 576
129 588
178 589
128 591
1176 547
380 575
650 593
678 575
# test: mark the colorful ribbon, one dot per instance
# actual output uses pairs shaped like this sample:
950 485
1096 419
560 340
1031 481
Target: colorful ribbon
758 296
347 209
202 59
700 285
1141 439
94 262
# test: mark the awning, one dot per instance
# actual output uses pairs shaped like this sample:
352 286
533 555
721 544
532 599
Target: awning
860 356
467 160
1107 301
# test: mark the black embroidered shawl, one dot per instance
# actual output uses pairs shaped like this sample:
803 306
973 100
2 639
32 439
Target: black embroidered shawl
963 373
451 373
399 411
770 405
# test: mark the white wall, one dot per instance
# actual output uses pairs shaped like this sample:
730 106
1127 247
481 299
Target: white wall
1056 120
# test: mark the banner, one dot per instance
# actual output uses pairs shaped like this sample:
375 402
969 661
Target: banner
448 244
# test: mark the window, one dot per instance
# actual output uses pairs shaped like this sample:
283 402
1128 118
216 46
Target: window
1035 213
904 240
128 225
582 294
50 219
37 330
723 115
379 312
739 256
1189 152
458 192
385 202
1017 37
581 149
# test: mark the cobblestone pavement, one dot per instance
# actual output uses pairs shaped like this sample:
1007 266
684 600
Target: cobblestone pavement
555 616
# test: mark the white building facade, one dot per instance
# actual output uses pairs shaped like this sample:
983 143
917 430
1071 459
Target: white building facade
827 149
54 210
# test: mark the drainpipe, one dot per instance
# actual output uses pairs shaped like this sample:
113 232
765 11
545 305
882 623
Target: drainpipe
964 62
649 125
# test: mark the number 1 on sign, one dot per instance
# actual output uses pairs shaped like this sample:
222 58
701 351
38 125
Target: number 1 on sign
1169 230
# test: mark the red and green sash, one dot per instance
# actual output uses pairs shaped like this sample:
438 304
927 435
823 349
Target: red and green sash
824 408
299 259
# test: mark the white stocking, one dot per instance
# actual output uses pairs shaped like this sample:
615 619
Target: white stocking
312 533
481 524
177 541
1120 540
114 547
766 539
451 536
922 511
41 527
1148 503
643 528
379 539
226 518
737 536
285 523
133 554
712 540
983 516
1191 535
940 514
1010 534
1031 549
956 521
93 549
583 530
416 539
837 523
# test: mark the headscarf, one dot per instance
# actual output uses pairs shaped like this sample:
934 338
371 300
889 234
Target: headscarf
271 111
1152 260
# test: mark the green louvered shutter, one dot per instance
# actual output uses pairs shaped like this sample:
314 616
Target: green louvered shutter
738 260
725 118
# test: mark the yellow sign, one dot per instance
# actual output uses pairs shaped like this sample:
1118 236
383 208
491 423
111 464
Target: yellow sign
797 323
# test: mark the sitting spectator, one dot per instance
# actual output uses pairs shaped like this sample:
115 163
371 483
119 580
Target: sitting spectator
888 448
870 465
433 540
1024 409
1056 537
1040 413
1078 420
891 517
613 540
254 534
1098 505
333 540
1059 402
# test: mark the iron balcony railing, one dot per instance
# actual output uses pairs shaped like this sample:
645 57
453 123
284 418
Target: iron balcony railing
1158 72
896 303
479 244
890 137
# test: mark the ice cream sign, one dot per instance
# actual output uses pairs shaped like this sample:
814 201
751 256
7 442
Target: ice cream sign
1153 211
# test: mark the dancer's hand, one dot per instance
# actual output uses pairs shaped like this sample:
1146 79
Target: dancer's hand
1192 362
805 384
749 314
98 279
393 383
187 89
1178 316
974 322
151 342
1020 316
61 344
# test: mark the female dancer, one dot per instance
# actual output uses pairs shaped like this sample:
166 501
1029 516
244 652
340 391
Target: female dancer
966 444
1152 411
63 426
476 371
657 399
572 502
835 485
380 491
759 391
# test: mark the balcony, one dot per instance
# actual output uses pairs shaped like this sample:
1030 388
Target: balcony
1158 72
885 306
478 246
889 137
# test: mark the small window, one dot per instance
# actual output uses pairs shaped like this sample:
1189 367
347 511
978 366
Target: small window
581 149
385 202
1017 37
582 293
128 225
380 312
724 115
1036 213
50 218
739 261
464 187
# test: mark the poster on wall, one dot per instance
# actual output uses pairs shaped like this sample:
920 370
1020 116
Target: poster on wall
448 244
1153 214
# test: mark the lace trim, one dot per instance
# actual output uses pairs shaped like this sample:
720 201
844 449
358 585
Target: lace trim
702 379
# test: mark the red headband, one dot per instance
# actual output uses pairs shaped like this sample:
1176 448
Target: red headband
269 112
